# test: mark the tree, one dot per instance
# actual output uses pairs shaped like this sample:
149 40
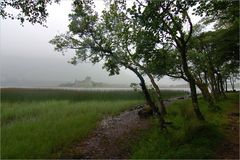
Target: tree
202 60
112 38
212 53
167 18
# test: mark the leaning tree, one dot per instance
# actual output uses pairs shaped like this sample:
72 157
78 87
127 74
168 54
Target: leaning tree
171 20
113 38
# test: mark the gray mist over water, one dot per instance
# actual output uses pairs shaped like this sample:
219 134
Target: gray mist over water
27 58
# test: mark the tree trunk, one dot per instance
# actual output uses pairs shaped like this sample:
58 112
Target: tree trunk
232 83
218 84
207 96
148 97
221 84
226 87
191 84
213 83
195 100
159 97
205 78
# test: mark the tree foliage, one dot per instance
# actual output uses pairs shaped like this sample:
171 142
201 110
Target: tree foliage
33 11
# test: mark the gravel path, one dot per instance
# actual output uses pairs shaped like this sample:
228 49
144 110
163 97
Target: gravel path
112 137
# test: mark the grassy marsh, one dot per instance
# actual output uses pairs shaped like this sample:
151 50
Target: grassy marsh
36 123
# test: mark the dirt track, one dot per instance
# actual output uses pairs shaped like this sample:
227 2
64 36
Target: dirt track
229 148
110 139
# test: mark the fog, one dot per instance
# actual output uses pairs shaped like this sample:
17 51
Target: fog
28 59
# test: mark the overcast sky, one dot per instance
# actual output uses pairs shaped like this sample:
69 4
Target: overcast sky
27 56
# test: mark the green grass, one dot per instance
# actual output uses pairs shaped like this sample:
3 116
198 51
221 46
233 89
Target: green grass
187 137
36 123
38 95
35 130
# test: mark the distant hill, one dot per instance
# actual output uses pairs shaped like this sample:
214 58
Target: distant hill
88 83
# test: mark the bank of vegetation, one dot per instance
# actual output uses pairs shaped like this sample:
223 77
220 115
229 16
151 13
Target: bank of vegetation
188 138
38 122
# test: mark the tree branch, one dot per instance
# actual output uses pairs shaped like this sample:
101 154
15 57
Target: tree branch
190 29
